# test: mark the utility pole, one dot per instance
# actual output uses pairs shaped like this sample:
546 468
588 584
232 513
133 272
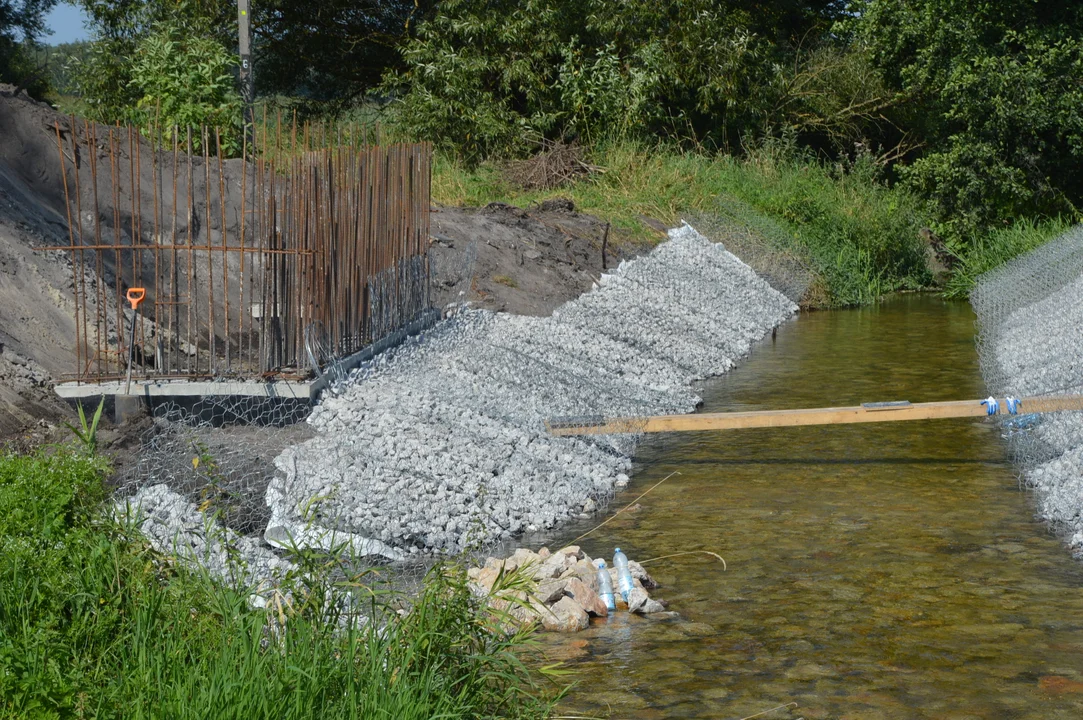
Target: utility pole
248 93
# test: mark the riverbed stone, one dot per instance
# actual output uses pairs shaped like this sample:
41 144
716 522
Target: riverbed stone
637 598
586 597
566 615
651 606
549 591
638 573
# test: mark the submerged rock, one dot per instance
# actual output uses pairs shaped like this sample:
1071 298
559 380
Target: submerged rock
565 603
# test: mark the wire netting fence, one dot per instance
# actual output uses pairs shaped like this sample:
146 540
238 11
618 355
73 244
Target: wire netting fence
1030 343
764 246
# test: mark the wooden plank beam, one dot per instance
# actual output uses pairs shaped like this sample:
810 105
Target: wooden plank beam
868 413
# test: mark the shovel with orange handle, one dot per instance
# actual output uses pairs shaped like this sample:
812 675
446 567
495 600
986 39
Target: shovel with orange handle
135 296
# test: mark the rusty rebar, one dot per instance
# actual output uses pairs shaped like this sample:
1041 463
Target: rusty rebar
338 233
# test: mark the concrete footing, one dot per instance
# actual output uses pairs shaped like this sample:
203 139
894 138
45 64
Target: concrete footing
224 402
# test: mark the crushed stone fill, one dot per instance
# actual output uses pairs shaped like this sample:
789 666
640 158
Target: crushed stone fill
440 444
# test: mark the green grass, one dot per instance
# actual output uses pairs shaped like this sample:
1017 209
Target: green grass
95 624
858 235
998 247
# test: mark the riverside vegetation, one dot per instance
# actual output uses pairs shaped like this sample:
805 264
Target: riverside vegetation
93 623
960 116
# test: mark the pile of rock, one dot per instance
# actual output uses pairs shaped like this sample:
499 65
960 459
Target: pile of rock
567 588
1030 314
176 527
440 445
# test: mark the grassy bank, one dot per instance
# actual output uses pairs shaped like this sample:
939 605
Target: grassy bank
998 247
95 624
859 236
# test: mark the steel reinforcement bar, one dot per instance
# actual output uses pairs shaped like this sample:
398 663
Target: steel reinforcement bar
268 264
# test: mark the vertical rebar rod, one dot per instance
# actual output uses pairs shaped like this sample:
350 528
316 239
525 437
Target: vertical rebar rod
240 284
134 231
71 240
100 297
193 304
225 245
156 170
80 283
174 310
118 260
211 357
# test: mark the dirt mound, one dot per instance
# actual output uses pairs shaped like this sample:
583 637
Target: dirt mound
522 261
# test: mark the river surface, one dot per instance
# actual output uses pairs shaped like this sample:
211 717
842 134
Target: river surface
892 570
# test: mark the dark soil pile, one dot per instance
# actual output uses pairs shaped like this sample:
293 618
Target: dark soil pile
523 261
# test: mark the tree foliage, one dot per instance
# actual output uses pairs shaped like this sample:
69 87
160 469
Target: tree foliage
482 76
186 81
163 63
58 61
21 27
332 52
993 91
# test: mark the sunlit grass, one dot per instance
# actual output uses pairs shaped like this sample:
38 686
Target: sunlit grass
95 624
859 235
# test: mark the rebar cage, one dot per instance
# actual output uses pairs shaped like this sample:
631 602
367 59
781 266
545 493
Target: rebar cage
267 265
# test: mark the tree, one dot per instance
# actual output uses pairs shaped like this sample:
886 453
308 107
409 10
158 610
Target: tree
993 92
21 26
484 77
127 32
332 52
186 81
328 52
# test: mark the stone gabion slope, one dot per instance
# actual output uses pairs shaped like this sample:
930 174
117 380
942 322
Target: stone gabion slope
441 444
1031 316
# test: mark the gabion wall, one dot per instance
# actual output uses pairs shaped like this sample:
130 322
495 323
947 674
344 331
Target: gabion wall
1030 343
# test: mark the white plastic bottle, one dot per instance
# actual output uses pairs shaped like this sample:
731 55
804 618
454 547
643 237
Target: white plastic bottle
605 585
624 575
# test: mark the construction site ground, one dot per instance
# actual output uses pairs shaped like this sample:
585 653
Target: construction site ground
498 257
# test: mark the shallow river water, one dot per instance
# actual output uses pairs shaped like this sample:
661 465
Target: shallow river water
891 570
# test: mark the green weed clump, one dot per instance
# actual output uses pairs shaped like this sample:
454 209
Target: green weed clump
95 624
998 247
859 235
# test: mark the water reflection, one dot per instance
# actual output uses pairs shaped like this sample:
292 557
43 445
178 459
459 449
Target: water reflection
875 571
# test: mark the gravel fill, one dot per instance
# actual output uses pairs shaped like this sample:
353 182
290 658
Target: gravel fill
440 444
1038 350
176 527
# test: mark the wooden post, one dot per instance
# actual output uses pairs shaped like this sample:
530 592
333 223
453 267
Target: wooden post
867 413
244 35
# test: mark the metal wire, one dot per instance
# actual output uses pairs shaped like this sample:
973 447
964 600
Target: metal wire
1030 339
